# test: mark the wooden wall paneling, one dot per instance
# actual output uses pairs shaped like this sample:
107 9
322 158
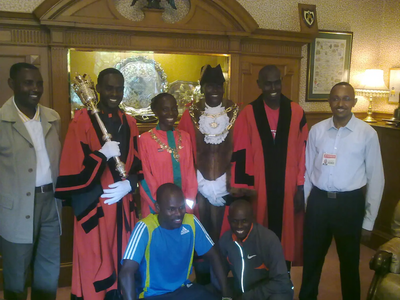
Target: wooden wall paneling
234 74
27 35
140 41
291 80
66 246
389 138
60 97
59 85
315 117
234 85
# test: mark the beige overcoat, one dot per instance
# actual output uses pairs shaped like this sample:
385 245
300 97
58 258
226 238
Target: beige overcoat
18 170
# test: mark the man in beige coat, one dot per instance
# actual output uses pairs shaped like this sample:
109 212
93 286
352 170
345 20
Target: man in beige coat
29 213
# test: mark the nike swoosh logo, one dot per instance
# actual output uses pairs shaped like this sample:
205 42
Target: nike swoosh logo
250 257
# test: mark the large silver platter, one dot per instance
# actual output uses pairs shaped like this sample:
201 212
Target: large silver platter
144 79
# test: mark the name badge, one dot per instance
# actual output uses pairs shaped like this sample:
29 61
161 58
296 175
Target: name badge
329 159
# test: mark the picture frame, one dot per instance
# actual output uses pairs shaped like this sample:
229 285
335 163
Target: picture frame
329 58
394 85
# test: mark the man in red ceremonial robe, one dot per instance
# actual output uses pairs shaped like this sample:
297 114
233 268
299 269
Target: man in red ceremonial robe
269 156
103 205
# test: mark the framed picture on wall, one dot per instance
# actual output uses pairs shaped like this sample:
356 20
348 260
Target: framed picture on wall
329 58
394 85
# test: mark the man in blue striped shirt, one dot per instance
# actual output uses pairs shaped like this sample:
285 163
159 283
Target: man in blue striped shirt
161 249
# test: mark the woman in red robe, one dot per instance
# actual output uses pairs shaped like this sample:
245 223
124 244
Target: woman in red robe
167 156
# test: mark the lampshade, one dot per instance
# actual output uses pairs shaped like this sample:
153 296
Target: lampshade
372 85
373 80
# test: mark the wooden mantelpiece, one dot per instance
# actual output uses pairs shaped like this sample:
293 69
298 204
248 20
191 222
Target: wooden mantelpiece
211 26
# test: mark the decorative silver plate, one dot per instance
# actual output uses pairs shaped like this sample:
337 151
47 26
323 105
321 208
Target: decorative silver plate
144 79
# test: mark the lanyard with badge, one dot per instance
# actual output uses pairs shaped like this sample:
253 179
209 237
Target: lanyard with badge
329 159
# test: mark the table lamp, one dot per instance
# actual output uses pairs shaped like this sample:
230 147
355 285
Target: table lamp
372 85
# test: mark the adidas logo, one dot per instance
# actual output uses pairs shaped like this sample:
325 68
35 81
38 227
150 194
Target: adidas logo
184 231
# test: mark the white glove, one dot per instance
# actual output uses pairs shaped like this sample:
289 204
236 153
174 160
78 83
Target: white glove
110 149
219 201
117 191
213 190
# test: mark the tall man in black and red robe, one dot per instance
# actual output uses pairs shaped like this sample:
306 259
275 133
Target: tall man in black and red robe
103 204
269 156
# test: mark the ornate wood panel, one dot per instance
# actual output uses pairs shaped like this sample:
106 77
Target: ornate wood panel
220 17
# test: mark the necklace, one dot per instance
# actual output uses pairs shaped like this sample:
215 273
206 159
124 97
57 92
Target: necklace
214 124
163 146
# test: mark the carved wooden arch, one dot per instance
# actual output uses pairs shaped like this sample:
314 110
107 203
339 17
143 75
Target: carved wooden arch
216 17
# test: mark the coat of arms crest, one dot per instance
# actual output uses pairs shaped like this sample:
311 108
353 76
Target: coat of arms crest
308 17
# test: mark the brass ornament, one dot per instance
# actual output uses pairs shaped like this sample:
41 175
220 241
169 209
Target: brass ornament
84 88
214 124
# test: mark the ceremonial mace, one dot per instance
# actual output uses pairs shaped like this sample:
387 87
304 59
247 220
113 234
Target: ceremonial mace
84 88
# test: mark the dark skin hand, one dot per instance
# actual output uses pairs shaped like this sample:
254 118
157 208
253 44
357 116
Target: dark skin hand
215 260
365 236
299 199
127 279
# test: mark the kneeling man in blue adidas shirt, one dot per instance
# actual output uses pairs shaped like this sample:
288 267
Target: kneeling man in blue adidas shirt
161 249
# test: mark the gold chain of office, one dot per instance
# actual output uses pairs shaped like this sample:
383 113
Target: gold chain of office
233 108
163 146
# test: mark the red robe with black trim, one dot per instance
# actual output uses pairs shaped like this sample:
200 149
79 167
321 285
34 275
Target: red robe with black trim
157 167
273 167
101 231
